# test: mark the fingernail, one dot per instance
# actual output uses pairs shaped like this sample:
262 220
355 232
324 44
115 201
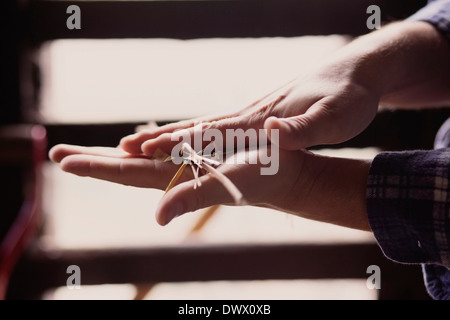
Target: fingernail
147 147
175 211
276 122
128 138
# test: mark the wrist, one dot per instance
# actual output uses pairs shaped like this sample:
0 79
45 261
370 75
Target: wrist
336 190
398 61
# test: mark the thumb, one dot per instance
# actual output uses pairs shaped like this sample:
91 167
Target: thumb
185 198
314 127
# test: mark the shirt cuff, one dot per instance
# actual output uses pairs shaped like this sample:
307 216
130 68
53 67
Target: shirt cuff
437 13
408 205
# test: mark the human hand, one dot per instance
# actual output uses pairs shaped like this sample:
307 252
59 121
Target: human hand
328 105
307 185
402 65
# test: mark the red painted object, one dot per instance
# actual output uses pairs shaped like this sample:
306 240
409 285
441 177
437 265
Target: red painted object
28 218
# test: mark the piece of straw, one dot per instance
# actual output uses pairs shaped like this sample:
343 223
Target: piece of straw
176 176
200 162
195 171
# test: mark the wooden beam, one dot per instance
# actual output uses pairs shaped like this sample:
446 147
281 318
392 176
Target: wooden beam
202 263
206 19
41 270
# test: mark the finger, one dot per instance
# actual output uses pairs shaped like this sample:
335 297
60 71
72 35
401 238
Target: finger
196 136
151 125
133 143
136 172
184 198
60 151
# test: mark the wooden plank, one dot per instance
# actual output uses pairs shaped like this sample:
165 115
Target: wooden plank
93 134
202 263
10 58
206 19
40 270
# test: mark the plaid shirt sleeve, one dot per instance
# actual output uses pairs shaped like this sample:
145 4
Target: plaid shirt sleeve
436 12
408 205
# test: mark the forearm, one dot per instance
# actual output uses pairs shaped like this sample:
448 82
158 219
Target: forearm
405 63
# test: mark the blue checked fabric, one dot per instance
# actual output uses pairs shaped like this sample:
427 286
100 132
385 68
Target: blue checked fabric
408 194
436 12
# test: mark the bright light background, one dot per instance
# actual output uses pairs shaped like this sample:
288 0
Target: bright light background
165 79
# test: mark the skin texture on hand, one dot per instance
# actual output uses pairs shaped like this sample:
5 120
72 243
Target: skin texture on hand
402 65
307 185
